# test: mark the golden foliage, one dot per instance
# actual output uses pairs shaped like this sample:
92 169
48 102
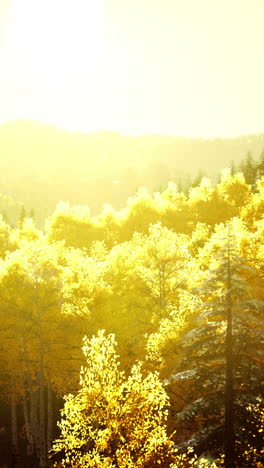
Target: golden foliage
114 420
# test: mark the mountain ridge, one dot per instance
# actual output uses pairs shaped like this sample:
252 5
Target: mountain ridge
42 164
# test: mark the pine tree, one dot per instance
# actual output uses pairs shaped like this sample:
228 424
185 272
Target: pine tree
232 168
198 179
260 165
250 170
32 213
22 215
222 360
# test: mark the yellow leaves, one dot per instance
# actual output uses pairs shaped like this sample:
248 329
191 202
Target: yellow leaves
202 192
162 342
234 189
74 225
7 241
31 283
123 418
84 286
27 232
205 463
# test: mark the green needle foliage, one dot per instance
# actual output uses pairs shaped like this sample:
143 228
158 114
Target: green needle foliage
207 354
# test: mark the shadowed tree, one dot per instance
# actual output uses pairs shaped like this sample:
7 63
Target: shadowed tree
221 359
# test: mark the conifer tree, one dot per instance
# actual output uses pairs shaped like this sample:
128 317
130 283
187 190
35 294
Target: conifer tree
22 215
260 165
232 168
198 179
32 213
250 169
222 358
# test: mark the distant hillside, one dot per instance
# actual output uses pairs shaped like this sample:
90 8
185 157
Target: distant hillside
41 164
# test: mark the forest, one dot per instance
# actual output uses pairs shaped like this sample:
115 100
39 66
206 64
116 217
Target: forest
134 338
107 167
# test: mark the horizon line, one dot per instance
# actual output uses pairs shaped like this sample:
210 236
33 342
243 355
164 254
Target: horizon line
125 133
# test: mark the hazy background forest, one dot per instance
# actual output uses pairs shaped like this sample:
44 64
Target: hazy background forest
157 276
108 167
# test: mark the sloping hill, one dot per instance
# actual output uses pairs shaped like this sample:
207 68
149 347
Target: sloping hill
41 164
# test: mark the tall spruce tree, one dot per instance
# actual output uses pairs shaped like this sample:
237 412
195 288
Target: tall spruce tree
250 170
233 169
260 165
221 361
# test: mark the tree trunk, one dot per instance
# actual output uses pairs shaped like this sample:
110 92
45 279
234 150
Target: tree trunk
29 438
15 449
30 427
42 431
50 420
34 420
229 440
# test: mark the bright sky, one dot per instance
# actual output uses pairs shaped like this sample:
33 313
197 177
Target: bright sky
181 67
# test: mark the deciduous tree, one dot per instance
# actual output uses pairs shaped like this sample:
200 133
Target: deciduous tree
115 421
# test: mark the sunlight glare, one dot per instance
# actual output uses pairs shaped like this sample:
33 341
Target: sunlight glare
57 40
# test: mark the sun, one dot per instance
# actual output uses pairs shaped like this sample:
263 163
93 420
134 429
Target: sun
57 43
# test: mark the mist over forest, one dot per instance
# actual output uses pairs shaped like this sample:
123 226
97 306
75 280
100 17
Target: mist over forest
42 164
131 300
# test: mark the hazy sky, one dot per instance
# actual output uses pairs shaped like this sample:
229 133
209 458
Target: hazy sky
182 67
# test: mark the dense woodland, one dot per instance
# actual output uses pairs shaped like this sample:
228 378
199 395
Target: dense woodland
104 167
148 321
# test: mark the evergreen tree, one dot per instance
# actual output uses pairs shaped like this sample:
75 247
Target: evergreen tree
242 166
232 168
222 361
260 165
180 185
250 170
187 184
22 215
198 179
5 216
32 213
